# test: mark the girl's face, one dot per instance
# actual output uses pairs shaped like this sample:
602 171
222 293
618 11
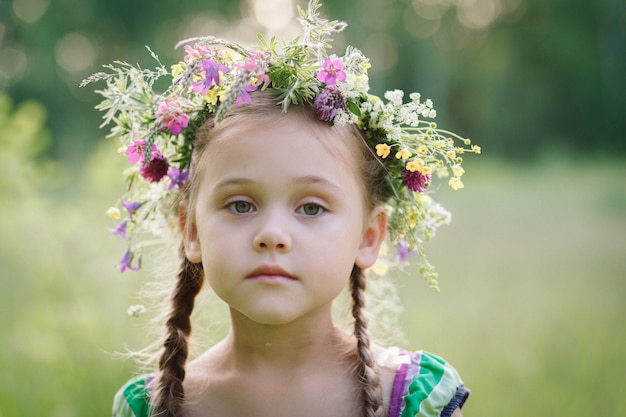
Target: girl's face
280 219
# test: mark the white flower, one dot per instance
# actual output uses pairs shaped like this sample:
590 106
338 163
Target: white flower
395 97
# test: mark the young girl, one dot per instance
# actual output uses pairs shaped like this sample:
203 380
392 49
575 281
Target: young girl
282 178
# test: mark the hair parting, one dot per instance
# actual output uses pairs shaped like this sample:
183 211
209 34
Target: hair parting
168 401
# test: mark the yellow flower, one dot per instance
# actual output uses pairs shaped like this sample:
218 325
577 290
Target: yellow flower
366 64
383 150
458 170
177 69
227 56
455 183
476 149
451 154
460 151
415 165
403 154
114 212
422 150
213 95
427 170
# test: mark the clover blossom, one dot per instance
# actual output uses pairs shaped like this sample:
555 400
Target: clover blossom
327 102
156 169
415 180
332 71
171 114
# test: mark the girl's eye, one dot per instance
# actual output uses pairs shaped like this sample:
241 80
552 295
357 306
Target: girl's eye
241 207
311 209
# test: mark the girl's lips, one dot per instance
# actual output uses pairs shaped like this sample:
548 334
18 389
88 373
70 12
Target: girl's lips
270 272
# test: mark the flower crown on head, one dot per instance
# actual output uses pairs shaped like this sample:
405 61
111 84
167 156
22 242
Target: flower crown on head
157 129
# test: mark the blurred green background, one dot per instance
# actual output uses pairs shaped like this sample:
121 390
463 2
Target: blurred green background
532 268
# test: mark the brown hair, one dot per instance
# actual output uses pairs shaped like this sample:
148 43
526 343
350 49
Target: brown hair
169 398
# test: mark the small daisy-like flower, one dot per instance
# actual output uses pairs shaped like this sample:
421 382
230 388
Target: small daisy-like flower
415 180
476 149
383 150
332 71
327 102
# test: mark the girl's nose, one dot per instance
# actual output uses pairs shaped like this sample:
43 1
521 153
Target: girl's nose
272 236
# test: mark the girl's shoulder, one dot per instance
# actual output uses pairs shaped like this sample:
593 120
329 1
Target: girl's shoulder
425 385
133 399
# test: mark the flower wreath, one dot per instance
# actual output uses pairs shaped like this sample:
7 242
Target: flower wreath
157 129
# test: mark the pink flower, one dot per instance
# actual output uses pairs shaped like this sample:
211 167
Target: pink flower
137 150
172 117
332 71
196 52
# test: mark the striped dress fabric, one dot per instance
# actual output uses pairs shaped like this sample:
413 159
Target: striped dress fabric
424 386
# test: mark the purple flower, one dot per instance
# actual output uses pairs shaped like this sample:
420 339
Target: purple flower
212 75
126 261
131 207
244 95
332 71
178 178
120 229
327 102
404 252
156 169
415 180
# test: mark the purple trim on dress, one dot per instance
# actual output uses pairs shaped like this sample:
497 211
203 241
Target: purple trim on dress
397 392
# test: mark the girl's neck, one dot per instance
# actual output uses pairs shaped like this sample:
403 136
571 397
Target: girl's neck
251 345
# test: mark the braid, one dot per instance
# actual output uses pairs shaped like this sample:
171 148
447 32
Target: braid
368 373
168 401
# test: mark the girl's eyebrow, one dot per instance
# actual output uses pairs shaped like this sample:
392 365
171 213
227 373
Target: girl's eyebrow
317 180
307 179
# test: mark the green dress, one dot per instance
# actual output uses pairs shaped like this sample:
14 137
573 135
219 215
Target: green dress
424 386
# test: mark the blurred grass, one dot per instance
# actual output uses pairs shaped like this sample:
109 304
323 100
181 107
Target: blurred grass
531 269
532 275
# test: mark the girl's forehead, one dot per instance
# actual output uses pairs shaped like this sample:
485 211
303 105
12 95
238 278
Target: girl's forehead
286 144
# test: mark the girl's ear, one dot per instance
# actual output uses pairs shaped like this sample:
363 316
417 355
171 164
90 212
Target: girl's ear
373 237
189 231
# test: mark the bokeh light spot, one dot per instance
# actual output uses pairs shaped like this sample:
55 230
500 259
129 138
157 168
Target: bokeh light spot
29 11
74 52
